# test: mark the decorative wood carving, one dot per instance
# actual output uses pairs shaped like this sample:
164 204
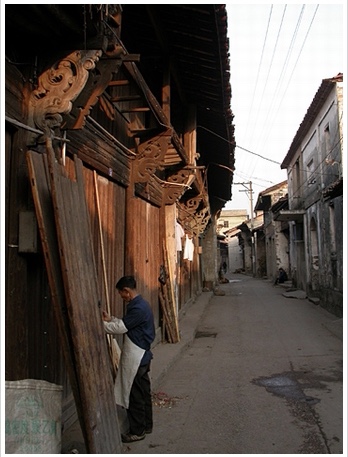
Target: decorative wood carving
173 192
194 214
150 158
58 87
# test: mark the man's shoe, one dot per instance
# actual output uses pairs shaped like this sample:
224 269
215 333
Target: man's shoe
129 438
148 431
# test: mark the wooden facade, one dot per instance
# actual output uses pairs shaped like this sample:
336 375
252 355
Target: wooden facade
100 147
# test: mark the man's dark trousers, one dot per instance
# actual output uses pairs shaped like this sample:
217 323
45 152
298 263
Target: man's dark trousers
140 403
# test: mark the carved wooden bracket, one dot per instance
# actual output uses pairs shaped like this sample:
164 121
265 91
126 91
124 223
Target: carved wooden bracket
58 87
180 181
150 158
194 215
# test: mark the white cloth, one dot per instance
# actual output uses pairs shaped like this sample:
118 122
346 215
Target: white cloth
131 356
115 326
130 361
179 233
189 248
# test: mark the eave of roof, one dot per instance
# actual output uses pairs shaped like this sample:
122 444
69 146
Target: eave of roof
197 43
319 99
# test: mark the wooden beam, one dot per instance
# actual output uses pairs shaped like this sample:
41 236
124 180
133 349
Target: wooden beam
120 82
163 40
135 110
156 108
131 58
125 98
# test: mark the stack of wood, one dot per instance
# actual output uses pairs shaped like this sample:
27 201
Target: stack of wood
167 300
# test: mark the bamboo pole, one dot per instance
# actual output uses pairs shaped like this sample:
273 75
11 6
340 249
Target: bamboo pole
114 348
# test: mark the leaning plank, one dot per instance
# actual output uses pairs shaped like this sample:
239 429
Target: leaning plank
166 318
40 185
83 304
169 295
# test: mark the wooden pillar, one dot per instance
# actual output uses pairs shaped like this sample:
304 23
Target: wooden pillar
130 229
190 136
209 257
166 93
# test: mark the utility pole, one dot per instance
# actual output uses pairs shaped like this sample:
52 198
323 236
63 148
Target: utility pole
248 186
249 189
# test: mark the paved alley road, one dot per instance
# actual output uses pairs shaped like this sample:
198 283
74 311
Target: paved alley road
263 375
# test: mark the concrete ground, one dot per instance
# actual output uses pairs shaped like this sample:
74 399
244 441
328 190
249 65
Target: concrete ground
254 372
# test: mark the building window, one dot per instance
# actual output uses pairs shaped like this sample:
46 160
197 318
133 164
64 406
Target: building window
327 140
297 181
298 232
310 173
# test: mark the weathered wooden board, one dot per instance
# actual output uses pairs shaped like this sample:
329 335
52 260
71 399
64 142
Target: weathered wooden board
143 253
40 184
95 384
100 153
112 213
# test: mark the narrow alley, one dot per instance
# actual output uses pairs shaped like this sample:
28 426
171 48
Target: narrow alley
263 375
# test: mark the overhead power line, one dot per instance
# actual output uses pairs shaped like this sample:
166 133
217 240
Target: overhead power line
240 147
258 155
273 112
261 60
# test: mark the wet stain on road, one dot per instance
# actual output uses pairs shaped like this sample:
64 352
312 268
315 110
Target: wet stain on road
290 386
287 386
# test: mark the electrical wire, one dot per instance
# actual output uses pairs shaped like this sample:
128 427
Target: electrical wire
280 79
291 75
339 140
314 173
236 145
259 68
270 66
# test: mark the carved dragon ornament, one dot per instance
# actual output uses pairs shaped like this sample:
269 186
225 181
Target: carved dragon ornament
58 87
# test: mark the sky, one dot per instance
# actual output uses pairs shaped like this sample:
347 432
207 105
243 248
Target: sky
279 55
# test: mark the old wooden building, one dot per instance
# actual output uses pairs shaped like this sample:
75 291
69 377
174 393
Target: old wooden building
119 136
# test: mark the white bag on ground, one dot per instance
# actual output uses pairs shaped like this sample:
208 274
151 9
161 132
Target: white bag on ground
33 417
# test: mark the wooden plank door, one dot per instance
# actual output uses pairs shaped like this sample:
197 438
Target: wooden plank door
90 353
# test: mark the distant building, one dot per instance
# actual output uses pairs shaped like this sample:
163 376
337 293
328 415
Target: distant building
230 218
231 254
235 251
249 231
272 246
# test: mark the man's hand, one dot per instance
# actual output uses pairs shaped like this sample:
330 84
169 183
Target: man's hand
106 317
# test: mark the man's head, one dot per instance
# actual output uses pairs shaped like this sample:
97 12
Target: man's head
126 287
